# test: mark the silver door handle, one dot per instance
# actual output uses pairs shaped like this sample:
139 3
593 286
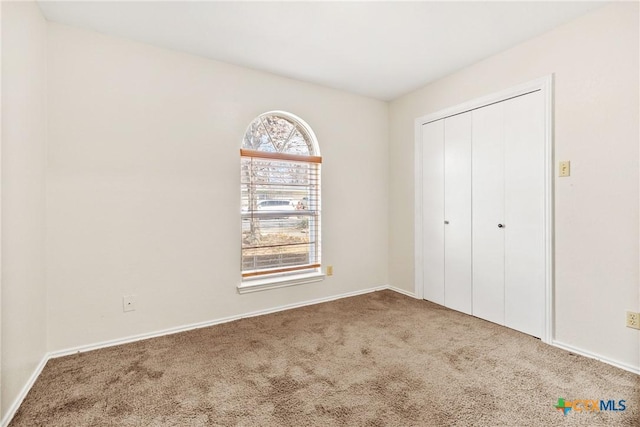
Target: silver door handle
500 225
446 222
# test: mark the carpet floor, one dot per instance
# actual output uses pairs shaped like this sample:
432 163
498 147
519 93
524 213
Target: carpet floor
379 359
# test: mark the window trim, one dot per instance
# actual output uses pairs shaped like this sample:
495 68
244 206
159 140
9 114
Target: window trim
286 276
262 283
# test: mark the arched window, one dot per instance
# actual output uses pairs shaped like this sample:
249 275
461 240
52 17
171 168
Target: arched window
280 193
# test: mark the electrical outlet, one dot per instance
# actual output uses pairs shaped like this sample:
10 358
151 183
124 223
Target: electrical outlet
633 320
329 270
129 303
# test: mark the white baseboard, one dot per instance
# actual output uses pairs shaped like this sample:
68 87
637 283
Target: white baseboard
104 344
133 338
184 328
23 392
585 353
402 291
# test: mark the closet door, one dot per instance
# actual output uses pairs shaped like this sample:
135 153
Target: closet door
433 211
484 212
488 213
457 212
508 213
524 213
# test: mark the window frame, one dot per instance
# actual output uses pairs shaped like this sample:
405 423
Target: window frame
258 280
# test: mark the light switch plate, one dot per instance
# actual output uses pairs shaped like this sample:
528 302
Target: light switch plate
565 168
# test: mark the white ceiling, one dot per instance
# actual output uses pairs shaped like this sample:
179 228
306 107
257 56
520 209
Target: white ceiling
377 49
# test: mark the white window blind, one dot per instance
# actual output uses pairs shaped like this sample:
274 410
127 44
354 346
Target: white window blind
280 199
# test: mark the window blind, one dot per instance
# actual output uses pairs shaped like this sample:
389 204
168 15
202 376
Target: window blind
280 201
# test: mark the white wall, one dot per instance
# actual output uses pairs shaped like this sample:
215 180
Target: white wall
23 195
142 182
595 63
143 186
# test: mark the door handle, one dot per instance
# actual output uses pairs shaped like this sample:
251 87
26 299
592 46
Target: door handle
446 222
500 225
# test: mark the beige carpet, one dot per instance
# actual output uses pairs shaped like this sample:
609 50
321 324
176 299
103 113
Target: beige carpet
380 359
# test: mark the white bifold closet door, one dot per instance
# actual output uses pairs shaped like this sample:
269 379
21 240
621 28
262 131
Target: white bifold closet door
433 211
457 212
447 211
488 213
508 213
524 242
483 212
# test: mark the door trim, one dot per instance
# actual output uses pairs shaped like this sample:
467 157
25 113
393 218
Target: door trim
545 85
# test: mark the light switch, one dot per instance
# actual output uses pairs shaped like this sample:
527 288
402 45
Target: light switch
565 168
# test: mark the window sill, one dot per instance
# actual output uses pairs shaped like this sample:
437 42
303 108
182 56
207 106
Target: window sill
255 285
